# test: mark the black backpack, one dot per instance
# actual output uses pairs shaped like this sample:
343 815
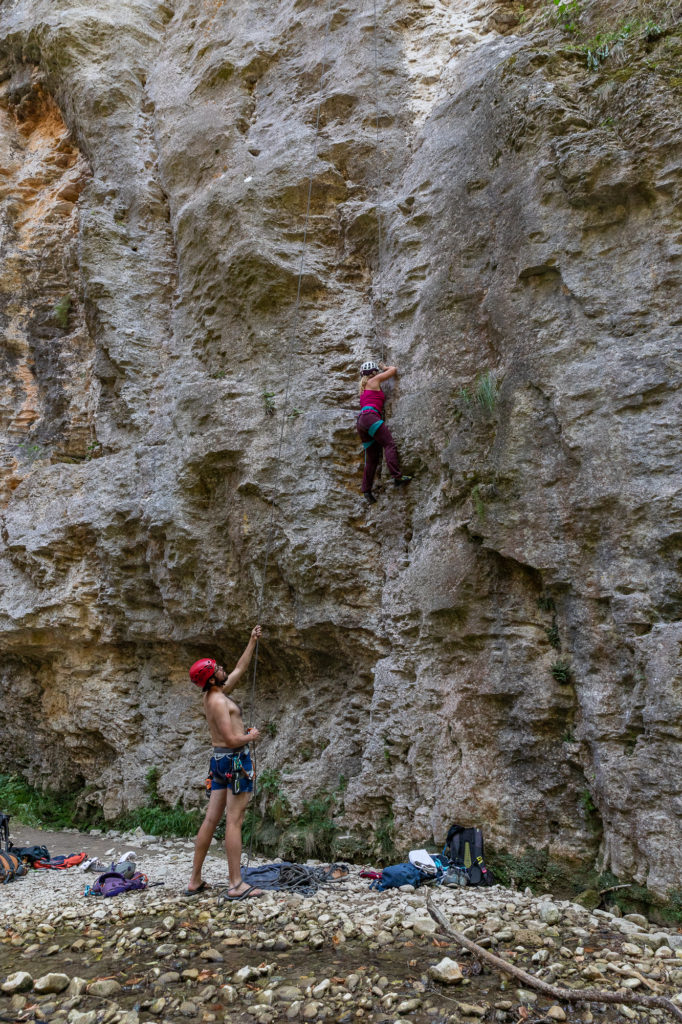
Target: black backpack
30 854
10 867
464 849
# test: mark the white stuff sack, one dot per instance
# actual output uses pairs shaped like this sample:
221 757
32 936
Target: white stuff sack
423 860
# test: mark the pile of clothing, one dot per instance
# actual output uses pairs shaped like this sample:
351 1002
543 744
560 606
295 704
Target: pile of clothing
461 862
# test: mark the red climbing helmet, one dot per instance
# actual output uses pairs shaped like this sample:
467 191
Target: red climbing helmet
202 670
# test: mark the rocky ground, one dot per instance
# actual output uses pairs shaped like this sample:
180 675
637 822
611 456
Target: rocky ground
345 954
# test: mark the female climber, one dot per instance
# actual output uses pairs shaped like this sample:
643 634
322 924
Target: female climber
375 436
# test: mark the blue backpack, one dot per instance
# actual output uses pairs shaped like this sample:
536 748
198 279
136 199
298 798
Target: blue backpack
397 875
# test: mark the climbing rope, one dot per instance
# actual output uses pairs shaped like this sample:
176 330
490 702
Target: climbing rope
300 878
378 304
289 366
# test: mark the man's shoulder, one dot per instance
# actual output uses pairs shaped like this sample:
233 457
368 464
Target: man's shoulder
216 699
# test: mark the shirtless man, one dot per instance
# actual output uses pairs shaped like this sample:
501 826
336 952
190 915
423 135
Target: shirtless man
231 771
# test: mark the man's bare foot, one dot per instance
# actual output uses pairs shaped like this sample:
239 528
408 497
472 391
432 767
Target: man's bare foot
194 890
242 891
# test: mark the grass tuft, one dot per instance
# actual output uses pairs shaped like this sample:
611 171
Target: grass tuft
61 312
486 392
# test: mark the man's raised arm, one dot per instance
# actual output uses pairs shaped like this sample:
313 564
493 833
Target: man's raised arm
243 663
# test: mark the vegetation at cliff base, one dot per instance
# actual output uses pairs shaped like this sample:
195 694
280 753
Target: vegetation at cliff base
157 818
41 810
58 810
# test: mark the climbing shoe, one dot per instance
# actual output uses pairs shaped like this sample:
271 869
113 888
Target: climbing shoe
399 481
369 497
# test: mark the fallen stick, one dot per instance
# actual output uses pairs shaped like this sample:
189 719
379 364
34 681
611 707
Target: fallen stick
568 995
612 888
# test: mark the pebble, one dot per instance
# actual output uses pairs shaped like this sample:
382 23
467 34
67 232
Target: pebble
549 913
628 1012
104 987
287 994
82 1018
311 1010
637 919
51 983
20 981
555 1013
212 955
472 1010
447 971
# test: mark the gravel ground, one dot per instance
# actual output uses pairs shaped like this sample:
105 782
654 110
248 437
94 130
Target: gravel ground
344 954
162 860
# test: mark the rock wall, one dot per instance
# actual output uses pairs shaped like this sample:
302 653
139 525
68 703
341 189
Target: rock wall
499 642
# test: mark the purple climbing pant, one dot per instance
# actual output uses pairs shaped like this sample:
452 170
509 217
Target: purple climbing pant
383 442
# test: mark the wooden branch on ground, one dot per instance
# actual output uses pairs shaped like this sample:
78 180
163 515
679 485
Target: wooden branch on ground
568 995
612 888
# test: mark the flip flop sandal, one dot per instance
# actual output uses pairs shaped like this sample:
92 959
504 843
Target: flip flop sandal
242 895
199 889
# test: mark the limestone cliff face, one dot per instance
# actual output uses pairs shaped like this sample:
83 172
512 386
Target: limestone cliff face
499 643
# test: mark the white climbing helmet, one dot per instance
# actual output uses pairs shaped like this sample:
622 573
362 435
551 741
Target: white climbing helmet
369 367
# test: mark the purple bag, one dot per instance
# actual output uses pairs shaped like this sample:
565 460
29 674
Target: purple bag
112 884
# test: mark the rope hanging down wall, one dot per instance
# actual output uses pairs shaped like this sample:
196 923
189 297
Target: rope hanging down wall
289 366
378 303
377 315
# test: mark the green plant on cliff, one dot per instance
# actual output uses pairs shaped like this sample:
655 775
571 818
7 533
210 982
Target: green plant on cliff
486 391
151 787
464 397
586 802
384 838
274 827
561 670
61 312
31 451
553 634
269 407
478 502
567 13
621 40
481 397
313 831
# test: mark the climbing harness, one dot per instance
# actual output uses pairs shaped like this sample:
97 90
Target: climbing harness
289 368
237 774
371 430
